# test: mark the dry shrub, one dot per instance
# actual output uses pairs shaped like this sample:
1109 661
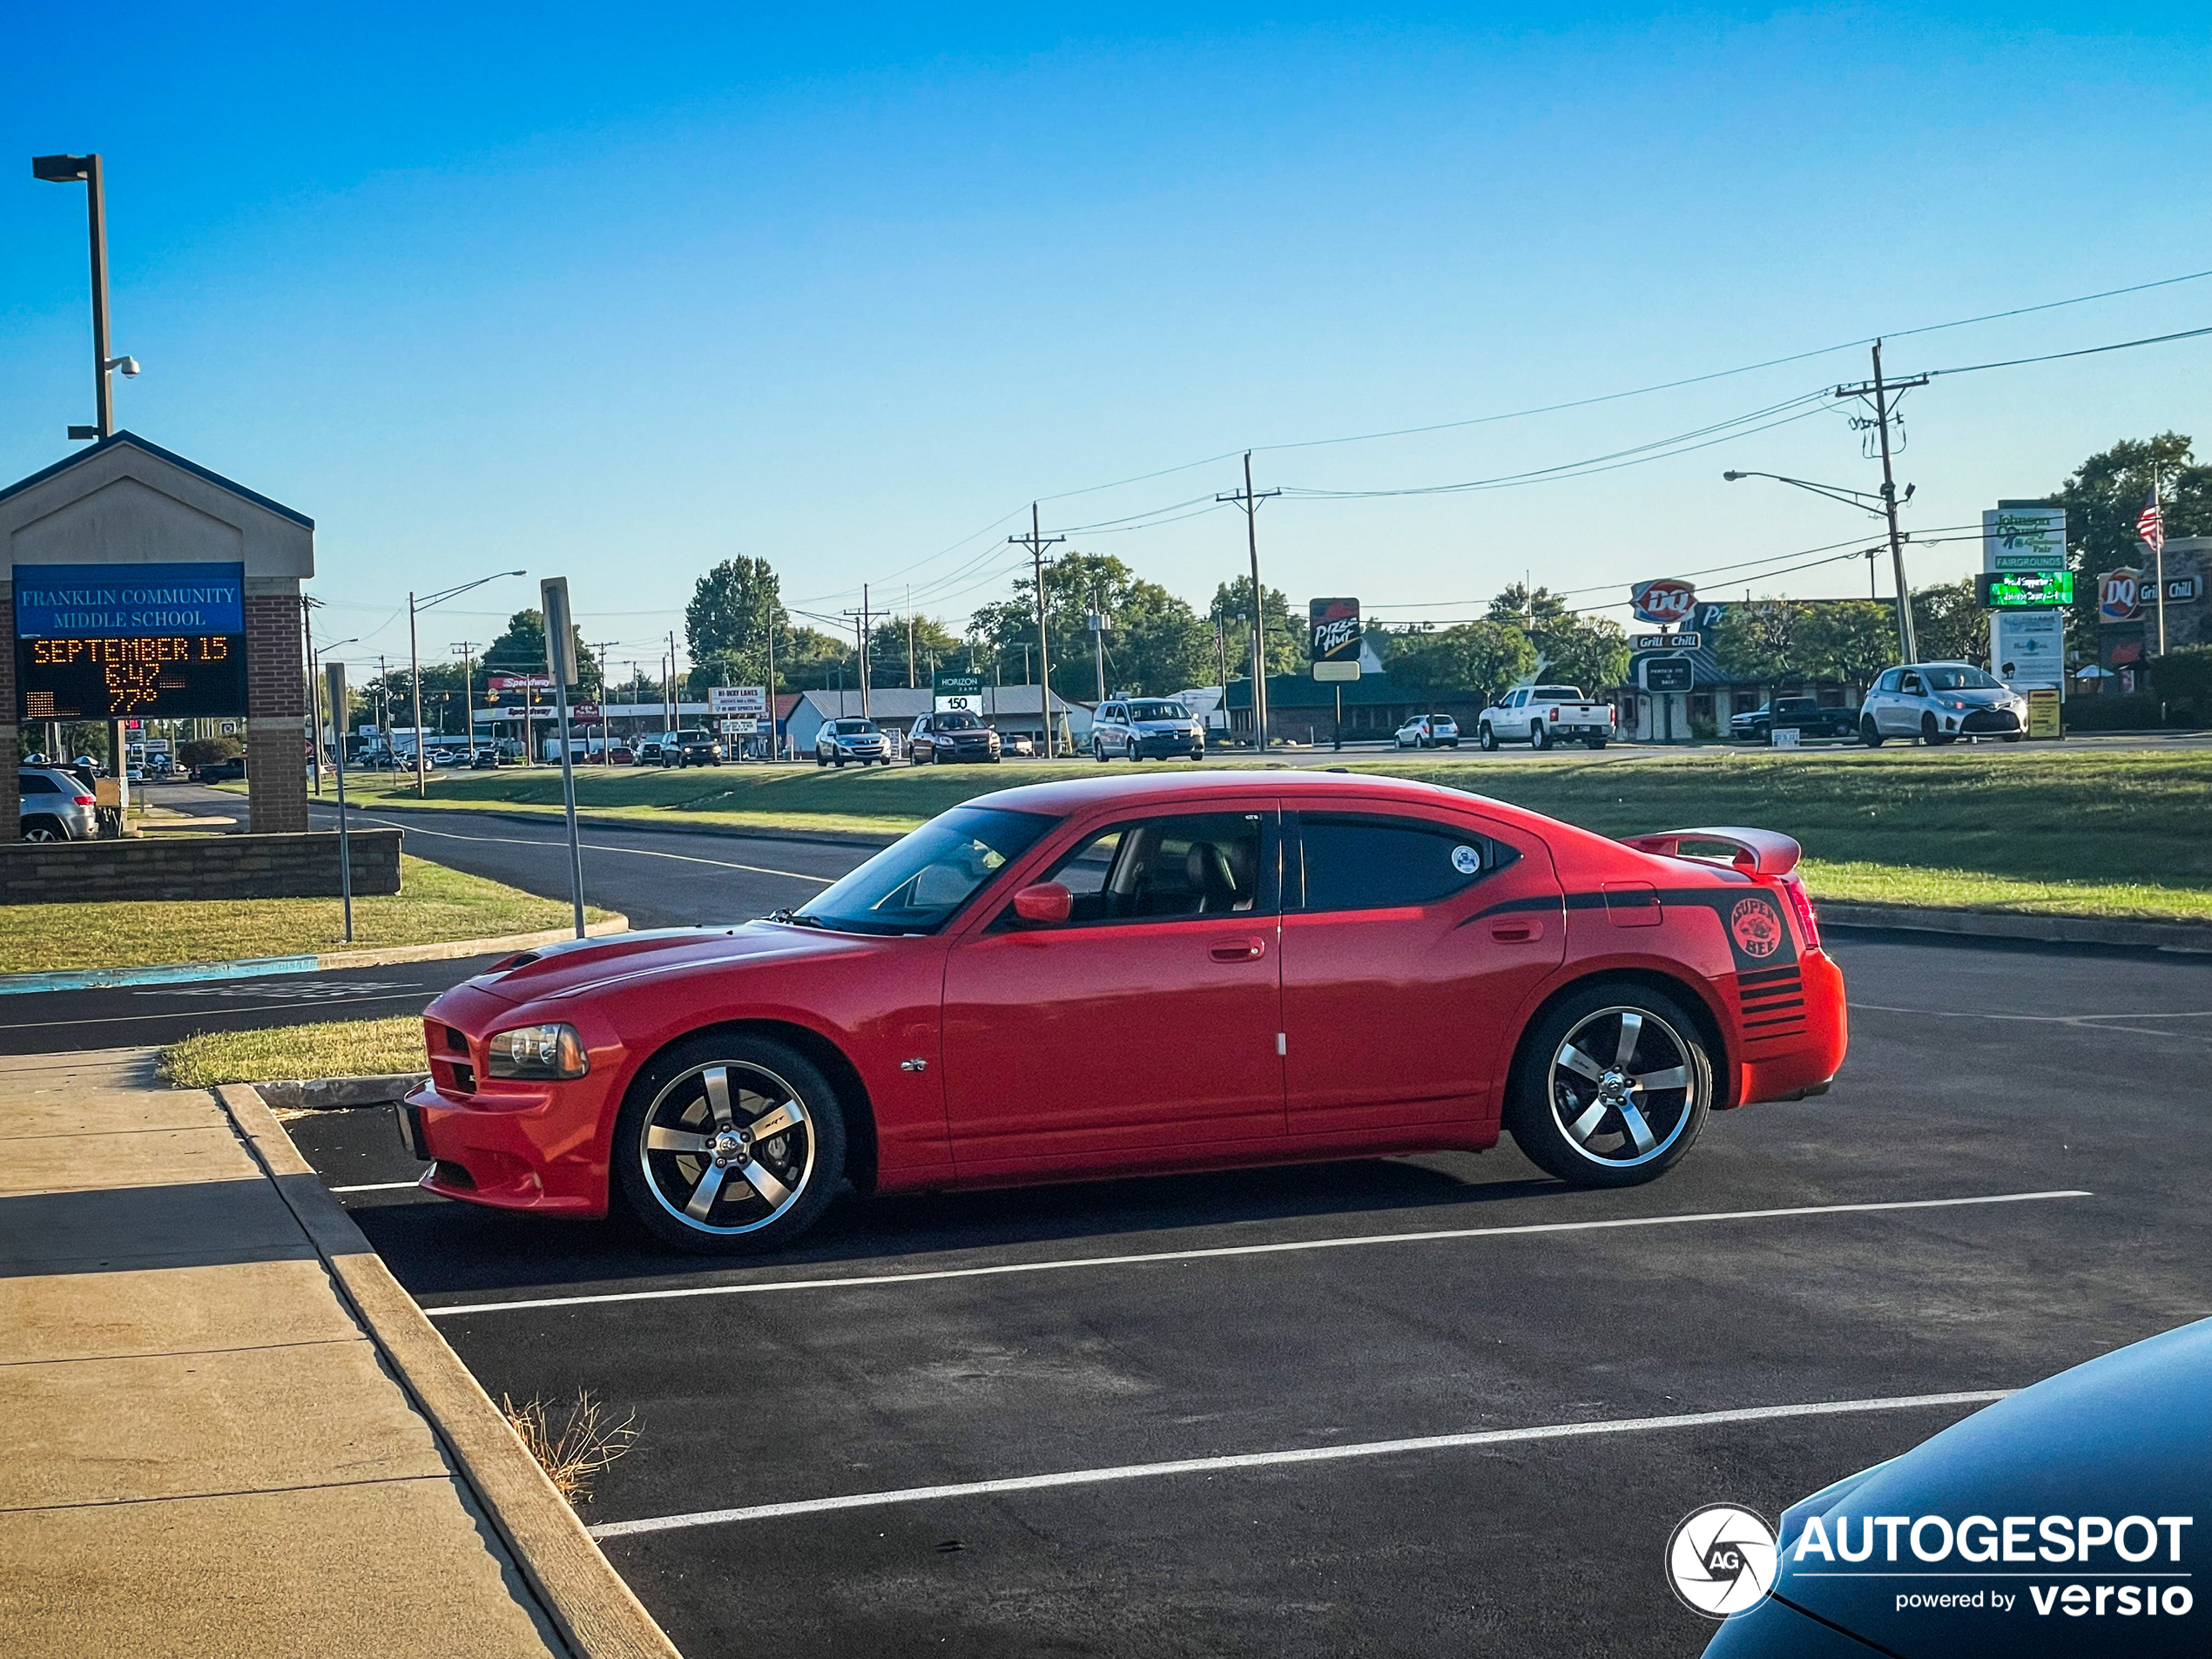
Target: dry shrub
585 1444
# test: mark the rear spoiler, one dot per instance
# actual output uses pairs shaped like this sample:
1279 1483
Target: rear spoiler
1760 852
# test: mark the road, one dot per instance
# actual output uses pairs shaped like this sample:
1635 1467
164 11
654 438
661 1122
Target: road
938 1425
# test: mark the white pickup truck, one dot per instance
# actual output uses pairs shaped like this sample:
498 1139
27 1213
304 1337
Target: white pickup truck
1542 715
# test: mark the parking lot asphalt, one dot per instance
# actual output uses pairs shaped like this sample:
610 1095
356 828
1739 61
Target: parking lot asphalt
941 1421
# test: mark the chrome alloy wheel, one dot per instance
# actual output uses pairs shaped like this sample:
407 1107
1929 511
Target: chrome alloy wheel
727 1148
1621 1087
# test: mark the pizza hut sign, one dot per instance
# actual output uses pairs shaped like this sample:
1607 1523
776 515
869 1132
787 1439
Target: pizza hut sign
1669 600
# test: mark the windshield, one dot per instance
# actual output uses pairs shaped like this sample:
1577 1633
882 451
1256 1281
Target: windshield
1958 678
852 728
695 737
1560 694
916 886
957 722
1158 711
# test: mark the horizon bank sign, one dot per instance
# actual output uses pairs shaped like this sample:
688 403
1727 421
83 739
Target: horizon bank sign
118 601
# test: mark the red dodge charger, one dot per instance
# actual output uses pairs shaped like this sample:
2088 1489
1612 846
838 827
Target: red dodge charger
1129 974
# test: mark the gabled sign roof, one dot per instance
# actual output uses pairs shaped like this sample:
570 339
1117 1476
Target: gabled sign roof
169 455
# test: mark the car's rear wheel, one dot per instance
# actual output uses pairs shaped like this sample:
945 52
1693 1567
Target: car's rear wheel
1868 733
1539 736
44 829
729 1143
1611 1088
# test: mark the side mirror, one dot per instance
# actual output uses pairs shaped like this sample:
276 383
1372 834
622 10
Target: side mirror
1046 901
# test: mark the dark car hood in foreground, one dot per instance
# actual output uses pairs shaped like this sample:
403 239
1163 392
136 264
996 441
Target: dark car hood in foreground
2129 1434
588 964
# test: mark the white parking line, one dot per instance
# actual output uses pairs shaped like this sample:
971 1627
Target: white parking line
2085 1022
855 1281
381 1186
1303 1454
600 846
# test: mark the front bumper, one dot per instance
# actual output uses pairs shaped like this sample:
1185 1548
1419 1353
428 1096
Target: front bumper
1167 743
544 1150
1984 722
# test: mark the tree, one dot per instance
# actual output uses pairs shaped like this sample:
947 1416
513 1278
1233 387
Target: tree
2102 498
933 644
727 624
521 650
809 660
1154 641
1485 657
1850 640
1587 651
1758 642
1949 624
1232 609
2184 677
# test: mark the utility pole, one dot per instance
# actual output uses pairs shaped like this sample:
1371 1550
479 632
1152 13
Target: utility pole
1883 395
467 648
861 619
675 710
1097 620
308 603
774 743
911 681
1250 501
1036 542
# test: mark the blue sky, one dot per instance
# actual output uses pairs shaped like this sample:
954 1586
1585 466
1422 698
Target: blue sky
619 294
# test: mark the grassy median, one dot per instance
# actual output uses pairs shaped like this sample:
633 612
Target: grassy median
434 905
2021 828
336 1049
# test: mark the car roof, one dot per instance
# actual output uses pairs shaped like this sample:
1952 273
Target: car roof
1063 797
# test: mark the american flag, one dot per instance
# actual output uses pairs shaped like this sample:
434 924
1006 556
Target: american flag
2150 524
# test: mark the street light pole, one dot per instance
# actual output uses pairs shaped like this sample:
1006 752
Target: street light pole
415 664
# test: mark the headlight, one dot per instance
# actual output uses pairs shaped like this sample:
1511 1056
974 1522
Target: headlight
538 1051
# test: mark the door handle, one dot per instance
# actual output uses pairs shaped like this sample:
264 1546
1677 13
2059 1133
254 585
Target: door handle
1518 932
1239 950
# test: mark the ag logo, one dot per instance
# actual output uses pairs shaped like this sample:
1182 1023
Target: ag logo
1756 927
1721 1560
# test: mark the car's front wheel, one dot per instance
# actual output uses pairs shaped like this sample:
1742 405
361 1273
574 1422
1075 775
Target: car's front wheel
1868 733
1488 738
1098 750
727 1143
1929 733
1611 1088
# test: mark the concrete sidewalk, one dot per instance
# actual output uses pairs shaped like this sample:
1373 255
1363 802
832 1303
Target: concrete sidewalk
207 1451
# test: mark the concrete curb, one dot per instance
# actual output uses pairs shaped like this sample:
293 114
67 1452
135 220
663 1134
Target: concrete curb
335 1094
101 979
1992 924
595 1612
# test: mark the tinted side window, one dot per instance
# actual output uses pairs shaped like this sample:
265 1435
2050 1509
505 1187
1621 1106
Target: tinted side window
1353 863
37 783
1888 682
1201 863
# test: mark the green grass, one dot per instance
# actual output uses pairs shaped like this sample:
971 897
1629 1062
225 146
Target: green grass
434 905
337 1048
2027 828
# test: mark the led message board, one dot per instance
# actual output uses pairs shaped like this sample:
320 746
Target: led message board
106 642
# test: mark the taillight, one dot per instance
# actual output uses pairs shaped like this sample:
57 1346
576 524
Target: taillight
1801 903
1554 713
84 800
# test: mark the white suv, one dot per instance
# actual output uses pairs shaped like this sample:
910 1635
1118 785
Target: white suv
1428 732
1940 703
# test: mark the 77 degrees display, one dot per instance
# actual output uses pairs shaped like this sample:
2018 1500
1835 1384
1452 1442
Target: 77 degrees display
130 642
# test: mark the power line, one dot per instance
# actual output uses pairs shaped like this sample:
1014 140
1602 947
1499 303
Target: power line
2087 351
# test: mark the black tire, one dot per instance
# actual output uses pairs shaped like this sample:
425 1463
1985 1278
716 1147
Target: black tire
806 1159
1540 1100
1198 754
1487 738
1594 742
1929 736
840 763
1868 733
44 829
1098 750
2015 737
1539 736
820 760
1451 743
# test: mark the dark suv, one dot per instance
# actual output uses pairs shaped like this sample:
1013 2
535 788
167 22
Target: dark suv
956 736
692 749
1804 713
